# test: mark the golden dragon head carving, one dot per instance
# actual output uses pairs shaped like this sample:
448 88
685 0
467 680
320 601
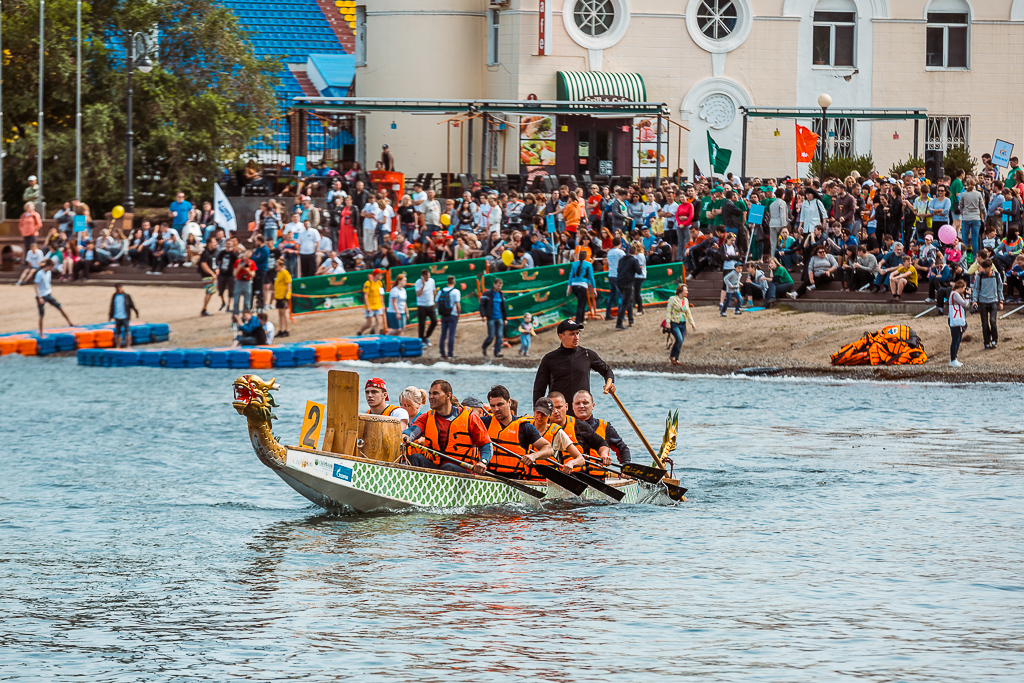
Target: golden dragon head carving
668 441
253 398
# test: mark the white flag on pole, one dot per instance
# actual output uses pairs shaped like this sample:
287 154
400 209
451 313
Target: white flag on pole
224 213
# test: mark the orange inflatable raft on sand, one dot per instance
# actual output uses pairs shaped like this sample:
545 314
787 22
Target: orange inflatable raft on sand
891 345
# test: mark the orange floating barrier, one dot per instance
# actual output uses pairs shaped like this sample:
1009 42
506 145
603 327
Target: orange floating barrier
104 338
327 351
85 339
261 359
348 351
28 346
9 345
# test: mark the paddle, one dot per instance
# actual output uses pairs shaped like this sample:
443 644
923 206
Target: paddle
566 481
528 490
675 492
648 474
651 475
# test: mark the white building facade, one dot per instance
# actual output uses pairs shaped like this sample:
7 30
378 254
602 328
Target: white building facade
705 59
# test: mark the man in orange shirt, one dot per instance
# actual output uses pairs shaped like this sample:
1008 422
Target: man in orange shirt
30 223
573 212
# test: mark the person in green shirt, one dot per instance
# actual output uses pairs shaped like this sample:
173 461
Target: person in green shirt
781 278
715 210
955 188
1014 167
706 205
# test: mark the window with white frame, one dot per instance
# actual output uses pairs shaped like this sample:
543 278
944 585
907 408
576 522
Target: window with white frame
943 133
834 38
717 19
360 35
948 43
493 24
594 17
839 143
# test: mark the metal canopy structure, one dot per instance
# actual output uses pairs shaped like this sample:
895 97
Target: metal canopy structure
485 108
863 114
355 105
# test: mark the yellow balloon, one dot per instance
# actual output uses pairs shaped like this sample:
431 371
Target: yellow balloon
117 211
446 220
507 257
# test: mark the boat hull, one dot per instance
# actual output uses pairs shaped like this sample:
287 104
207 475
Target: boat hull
338 482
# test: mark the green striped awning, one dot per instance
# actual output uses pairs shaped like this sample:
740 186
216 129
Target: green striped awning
600 86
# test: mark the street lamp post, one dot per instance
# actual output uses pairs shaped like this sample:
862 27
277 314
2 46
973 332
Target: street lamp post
824 101
145 66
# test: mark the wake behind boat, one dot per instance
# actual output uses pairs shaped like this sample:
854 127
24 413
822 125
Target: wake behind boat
360 465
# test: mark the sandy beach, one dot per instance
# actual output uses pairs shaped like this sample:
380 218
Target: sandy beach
798 343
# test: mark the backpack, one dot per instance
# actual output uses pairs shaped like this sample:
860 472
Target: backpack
444 301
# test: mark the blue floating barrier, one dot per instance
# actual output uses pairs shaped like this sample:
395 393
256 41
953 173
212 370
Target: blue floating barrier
64 341
411 346
217 358
141 333
238 358
304 355
369 347
159 332
124 359
195 358
284 357
151 358
174 358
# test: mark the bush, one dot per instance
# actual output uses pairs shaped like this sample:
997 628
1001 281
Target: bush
840 167
901 167
958 157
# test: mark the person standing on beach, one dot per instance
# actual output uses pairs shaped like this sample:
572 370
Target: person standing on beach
449 307
566 370
986 296
44 293
121 307
425 288
282 296
957 321
373 303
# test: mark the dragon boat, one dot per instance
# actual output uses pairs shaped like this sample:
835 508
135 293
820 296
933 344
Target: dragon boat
359 465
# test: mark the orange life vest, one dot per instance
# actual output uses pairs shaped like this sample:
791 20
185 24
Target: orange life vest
388 409
460 444
596 470
507 437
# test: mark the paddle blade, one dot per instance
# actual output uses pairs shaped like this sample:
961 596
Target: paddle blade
651 475
675 492
610 491
567 482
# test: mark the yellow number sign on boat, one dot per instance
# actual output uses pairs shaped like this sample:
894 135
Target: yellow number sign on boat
312 423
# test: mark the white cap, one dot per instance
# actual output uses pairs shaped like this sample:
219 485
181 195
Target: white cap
32 177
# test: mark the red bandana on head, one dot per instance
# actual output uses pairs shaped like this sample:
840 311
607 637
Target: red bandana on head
379 383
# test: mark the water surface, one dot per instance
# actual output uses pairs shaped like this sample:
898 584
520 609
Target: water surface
835 531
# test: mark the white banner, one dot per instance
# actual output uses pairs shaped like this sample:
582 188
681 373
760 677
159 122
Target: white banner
224 213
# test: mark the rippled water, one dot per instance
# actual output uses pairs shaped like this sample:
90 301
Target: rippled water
834 531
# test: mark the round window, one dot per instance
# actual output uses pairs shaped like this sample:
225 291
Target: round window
594 17
717 19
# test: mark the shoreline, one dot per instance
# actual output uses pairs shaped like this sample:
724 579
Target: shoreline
796 344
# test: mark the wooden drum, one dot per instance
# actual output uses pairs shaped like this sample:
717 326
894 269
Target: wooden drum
380 437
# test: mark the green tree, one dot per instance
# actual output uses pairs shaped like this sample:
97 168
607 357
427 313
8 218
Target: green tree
840 167
909 164
206 99
958 157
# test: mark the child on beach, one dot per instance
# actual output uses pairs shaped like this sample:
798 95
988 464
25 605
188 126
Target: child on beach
525 332
282 295
957 321
44 293
731 288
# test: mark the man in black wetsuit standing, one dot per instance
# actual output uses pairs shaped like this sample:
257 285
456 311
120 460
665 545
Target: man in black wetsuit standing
567 368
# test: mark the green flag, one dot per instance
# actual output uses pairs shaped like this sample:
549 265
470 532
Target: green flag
719 157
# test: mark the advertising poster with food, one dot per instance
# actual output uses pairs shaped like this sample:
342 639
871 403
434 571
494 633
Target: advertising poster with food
537 140
649 144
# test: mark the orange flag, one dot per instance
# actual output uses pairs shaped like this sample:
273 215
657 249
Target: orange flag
806 144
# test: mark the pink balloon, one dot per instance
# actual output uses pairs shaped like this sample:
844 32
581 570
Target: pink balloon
947 234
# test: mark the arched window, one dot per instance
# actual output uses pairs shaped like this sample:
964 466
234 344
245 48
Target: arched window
835 33
949 35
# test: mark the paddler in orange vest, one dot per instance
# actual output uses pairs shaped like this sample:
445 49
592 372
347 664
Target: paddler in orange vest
451 429
580 432
561 443
376 392
515 434
583 408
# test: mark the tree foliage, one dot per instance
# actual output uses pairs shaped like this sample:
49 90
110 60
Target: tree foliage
194 114
840 167
956 158
909 164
